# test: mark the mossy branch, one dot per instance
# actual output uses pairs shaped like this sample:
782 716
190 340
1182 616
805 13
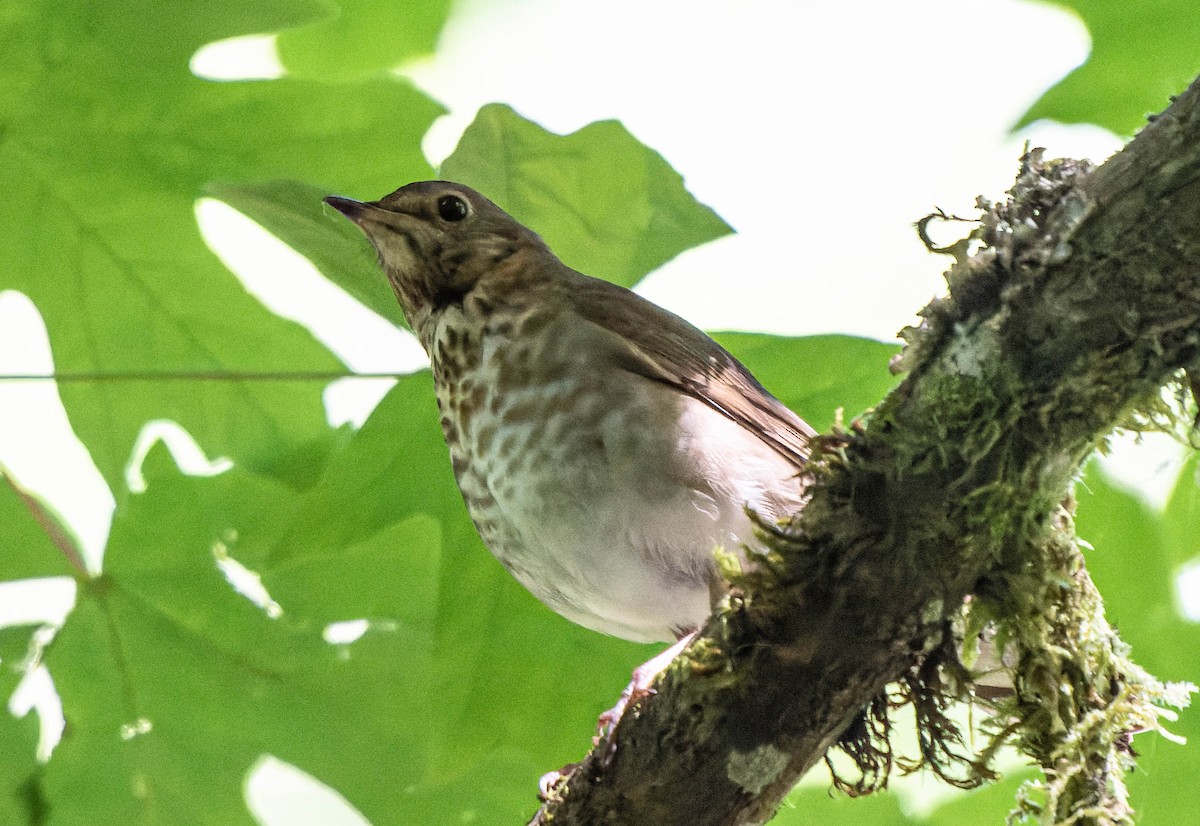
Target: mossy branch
949 509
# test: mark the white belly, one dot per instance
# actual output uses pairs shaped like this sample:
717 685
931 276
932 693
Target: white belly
605 493
621 540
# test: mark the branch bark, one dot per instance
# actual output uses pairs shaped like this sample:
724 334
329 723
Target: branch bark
1082 303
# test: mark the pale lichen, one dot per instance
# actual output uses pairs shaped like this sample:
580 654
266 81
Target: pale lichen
756 769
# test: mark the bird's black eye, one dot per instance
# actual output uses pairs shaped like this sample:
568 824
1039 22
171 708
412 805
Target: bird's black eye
452 208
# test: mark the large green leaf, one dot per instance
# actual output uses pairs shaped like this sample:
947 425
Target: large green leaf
396 464
173 683
1141 54
362 37
107 142
605 203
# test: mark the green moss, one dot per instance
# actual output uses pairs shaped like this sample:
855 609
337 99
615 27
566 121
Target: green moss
971 459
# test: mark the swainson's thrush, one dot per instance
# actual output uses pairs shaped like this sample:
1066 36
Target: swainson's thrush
604 446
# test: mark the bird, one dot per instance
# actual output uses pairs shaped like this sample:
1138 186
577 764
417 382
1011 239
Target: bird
605 448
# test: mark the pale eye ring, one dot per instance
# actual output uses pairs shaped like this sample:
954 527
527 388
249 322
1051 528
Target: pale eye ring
452 208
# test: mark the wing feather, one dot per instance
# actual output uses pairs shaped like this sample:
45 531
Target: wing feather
663 347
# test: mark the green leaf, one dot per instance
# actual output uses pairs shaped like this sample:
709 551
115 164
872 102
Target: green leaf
985 805
26 550
106 147
1133 567
815 375
1141 54
293 211
173 692
1181 519
395 466
606 204
20 796
1130 566
808 805
173 683
362 37
14 652
394 578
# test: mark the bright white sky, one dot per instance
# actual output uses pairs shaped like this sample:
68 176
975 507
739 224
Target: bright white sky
820 131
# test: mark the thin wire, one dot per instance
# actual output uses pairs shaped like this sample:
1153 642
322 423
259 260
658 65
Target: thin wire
147 375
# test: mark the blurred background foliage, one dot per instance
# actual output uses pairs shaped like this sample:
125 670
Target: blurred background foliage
446 689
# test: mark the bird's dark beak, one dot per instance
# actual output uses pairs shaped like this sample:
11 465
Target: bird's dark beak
349 207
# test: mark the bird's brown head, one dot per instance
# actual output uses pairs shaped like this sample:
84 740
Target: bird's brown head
437 241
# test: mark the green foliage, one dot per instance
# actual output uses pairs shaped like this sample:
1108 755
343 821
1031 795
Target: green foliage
462 689
902 805
1137 556
1141 54
348 44
816 375
28 550
19 801
604 202
25 552
607 205
101 176
294 213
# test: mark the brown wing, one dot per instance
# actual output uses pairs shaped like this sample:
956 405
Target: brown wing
665 348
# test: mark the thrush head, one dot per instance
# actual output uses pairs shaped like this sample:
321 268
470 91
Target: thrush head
437 240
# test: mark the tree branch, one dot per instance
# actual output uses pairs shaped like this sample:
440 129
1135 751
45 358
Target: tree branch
1081 304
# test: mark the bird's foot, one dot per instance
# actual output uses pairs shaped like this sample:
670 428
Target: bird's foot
640 686
549 782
